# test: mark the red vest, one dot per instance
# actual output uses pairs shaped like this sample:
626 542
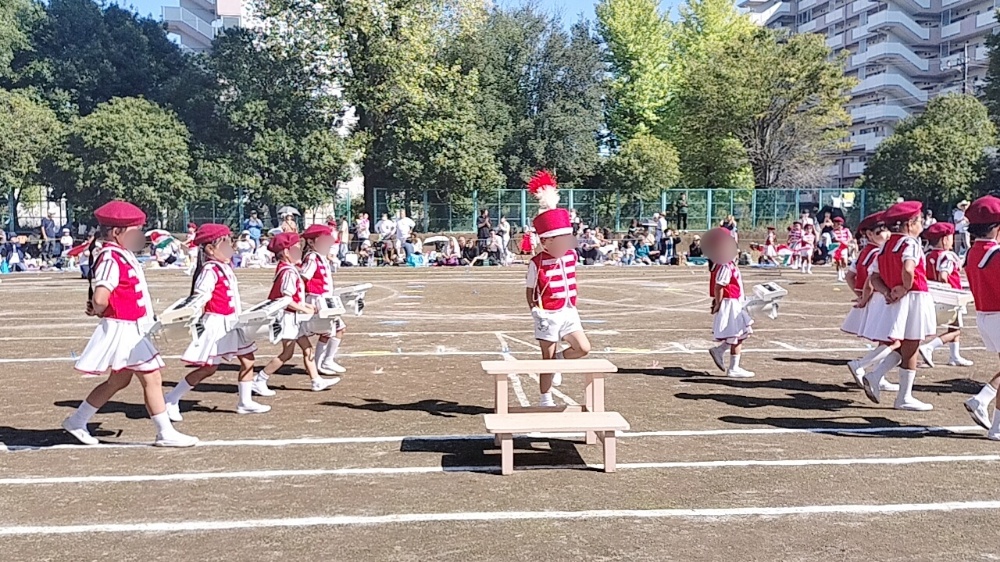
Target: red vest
934 259
806 241
555 287
865 259
843 235
890 264
225 299
794 236
130 300
982 266
284 269
734 290
320 283
769 241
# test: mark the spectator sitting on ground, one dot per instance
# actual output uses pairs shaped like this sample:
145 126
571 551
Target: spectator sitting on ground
588 247
628 257
365 253
495 249
471 254
694 250
642 252
245 247
654 249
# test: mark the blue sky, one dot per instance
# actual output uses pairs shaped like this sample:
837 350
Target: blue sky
569 9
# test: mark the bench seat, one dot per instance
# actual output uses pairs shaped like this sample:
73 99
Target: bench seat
603 424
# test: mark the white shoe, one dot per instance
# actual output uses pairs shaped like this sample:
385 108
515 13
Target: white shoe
330 367
871 389
739 373
912 405
718 354
556 379
323 384
993 436
927 354
960 362
252 408
260 388
885 386
80 433
175 439
174 412
856 371
978 412
550 403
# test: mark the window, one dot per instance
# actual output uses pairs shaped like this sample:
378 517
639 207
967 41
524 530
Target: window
946 17
805 16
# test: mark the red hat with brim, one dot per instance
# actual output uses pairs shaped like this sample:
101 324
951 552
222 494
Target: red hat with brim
871 221
552 223
838 220
210 232
938 230
903 212
282 242
316 230
985 210
119 214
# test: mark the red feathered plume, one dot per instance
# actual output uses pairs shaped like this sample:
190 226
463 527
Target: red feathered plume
541 179
543 187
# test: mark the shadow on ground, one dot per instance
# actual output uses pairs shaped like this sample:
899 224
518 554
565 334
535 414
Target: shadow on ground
458 454
432 406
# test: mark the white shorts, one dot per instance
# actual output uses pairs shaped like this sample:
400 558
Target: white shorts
554 325
989 330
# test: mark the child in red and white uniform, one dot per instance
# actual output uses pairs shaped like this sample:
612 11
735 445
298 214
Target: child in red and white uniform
770 251
944 266
807 244
794 239
289 327
120 297
982 266
551 284
899 275
841 235
191 247
883 358
732 323
221 337
317 274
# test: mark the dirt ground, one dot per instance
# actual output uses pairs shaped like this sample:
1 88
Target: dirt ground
393 463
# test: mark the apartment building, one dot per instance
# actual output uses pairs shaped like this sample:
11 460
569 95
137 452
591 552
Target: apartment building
196 22
902 52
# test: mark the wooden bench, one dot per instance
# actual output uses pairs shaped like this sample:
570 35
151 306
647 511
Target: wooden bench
603 424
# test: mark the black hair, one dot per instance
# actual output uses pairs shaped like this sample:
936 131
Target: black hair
200 264
982 230
103 232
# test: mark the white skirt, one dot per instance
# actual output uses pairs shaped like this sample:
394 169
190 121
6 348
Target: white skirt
770 252
118 345
732 323
287 326
317 326
910 318
989 330
875 310
221 340
855 321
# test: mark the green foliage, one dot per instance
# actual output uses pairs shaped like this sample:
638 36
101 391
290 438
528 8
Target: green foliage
128 148
939 156
17 20
30 135
643 167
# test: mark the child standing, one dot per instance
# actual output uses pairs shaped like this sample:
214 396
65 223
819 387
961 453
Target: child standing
841 235
732 323
288 328
316 272
899 275
551 284
982 266
944 266
221 337
807 244
120 298
794 239
770 251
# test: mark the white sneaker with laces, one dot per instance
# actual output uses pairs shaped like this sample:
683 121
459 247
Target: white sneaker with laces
739 373
175 439
174 412
856 371
978 412
993 436
718 355
960 362
260 388
927 354
323 384
885 386
252 408
912 405
329 366
871 388
79 432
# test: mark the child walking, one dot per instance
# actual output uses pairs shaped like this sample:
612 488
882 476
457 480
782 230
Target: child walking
732 323
794 240
842 235
316 271
120 297
944 266
807 243
221 337
288 327
551 284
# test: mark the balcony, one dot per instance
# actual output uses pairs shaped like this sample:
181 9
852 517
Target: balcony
867 141
892 18
835 42
985 19
856 168
834 15
859 6
878 113
201 4
886 80
185 23
807 27
895 50
777 10
951 29
803 4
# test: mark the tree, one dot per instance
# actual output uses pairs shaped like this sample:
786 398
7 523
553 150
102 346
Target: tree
781 97
638 43
17 19
642 167
991 93
30 135
939 156
128 148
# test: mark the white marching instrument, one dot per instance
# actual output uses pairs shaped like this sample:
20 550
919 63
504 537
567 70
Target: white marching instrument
950 304
262 313
180 318
765 300
354 295
331 307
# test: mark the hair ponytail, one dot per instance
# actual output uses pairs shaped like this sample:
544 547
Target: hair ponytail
981 230
102 233
199 266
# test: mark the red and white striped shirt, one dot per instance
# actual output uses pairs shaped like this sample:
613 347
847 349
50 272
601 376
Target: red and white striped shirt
553 280
218 280
287 283
982 266
117 270
940 260
316 271
889 265
843 235
726 275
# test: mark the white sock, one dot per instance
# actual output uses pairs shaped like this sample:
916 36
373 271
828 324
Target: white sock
559 355
332 346
996 422
955 350
935 343
986 394
546 397
175 395
734 361
890 362
321 349
877 355
162 423
244 388
906 378
83 413
261 375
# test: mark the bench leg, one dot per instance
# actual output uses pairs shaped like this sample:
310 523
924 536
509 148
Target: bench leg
588 392
609 451
506 453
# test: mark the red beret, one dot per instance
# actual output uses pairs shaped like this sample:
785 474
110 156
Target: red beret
119 214
985 210
902 212
210 232
839 220
283 241
770 228
316 230
871 221
938 230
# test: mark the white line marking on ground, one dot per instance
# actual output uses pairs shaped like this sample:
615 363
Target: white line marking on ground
785 345
625 435
494 516
557 393
515 380
522 342
397 470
